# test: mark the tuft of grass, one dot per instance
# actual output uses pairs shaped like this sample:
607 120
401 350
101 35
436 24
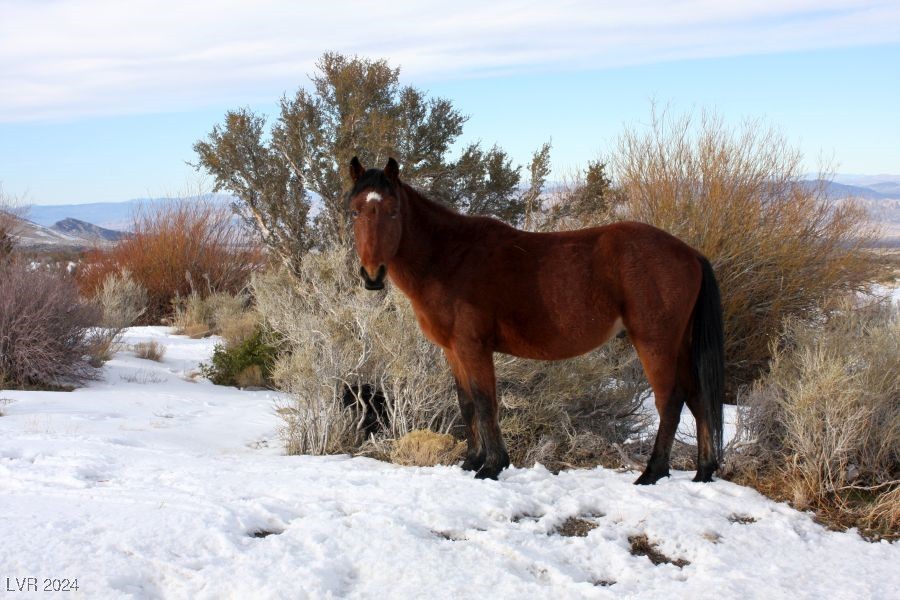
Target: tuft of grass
149 350
424 448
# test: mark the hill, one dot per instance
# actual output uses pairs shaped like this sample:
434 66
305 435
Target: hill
87 231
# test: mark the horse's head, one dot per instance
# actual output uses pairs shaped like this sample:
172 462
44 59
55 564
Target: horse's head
375 207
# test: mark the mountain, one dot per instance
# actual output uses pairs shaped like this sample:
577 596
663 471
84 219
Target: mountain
108 215
87 231
887 187
838 191
30 235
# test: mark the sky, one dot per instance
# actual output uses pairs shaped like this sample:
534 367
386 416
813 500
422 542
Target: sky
103 101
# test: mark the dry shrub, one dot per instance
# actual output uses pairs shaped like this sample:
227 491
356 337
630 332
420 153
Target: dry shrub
337 335
572 412
176 249
251 377
199 316
424 448
151 350
778 244
122 299
823 427
44 328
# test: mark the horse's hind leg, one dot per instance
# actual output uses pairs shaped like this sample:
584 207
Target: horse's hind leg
706 456
660 366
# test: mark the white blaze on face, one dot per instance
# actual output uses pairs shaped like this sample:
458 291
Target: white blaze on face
373 197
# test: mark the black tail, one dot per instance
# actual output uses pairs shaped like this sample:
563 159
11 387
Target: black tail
708 353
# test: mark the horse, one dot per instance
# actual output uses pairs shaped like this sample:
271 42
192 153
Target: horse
479 286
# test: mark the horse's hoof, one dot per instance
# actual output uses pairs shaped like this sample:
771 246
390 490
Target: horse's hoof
486 473
492 468
705 474
650 478
472 464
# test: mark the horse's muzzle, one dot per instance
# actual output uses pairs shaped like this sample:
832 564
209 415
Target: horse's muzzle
376 283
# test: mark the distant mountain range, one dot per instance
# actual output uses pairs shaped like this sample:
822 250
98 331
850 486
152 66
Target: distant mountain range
81 225
116 216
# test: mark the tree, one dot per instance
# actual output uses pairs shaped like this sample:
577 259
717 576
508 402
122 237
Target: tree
356 107
588 199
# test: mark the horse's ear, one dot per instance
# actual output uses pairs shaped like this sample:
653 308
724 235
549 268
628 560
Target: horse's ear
356 169
392 171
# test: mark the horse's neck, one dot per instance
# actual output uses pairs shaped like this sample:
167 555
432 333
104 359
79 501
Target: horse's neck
423 251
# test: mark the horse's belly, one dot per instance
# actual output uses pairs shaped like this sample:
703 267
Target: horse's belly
555 343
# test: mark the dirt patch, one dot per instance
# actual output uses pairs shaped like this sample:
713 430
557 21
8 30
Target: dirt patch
575 527
641 546
263 533
741 519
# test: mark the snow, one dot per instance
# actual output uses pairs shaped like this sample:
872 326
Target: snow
154 484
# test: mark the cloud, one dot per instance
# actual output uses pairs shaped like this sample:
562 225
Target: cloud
62 59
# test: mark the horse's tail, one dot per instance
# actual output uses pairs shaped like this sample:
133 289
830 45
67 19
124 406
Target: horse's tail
708 353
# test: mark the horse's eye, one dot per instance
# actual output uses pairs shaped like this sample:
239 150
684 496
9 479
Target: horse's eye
393 214
354 213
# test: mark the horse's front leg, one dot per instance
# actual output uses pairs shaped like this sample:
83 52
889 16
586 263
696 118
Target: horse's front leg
476 387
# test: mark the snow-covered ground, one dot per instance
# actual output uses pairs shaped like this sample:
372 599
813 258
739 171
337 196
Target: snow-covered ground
147 485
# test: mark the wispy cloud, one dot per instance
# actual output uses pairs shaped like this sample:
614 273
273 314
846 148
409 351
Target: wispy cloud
64 59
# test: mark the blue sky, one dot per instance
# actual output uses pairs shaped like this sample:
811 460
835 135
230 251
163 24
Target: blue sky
103 101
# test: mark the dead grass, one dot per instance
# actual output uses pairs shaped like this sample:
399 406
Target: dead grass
424 448
149 350
251 377
575 527
218 313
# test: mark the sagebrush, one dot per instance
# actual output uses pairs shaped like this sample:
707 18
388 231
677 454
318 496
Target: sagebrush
45 328
822 428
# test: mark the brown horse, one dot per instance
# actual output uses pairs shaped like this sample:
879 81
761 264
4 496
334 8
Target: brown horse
479 286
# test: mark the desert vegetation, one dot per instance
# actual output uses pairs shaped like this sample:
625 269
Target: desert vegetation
822 428
815 376
364 380
176 250
45 329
